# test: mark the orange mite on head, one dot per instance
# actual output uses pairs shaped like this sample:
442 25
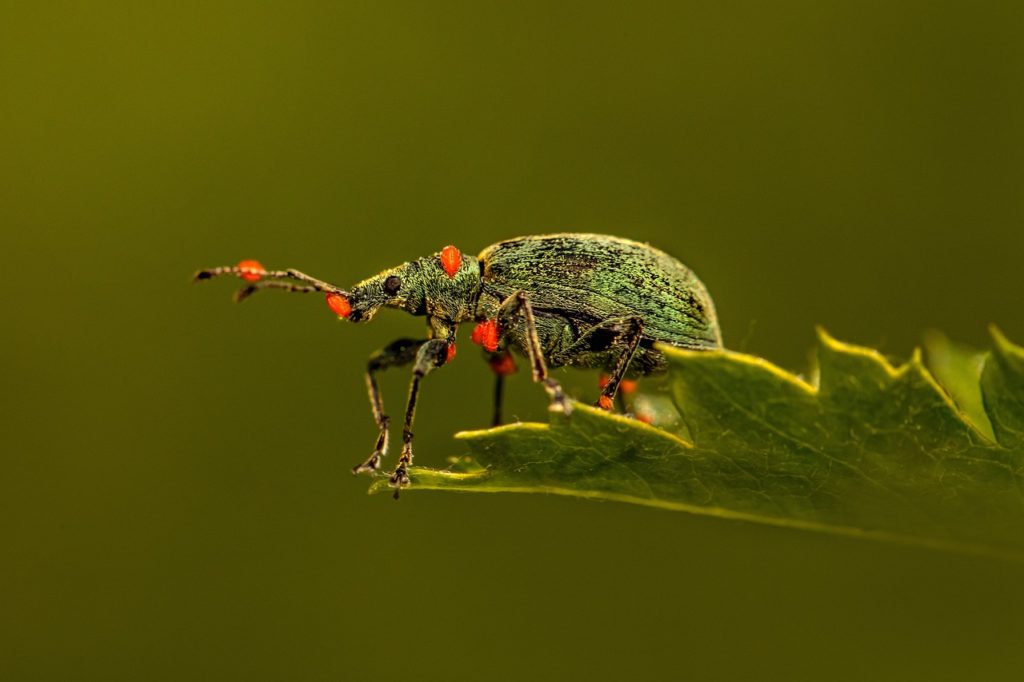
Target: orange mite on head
451 259
339 304
251 270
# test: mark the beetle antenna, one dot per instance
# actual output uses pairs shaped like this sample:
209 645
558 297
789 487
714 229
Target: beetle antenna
261 278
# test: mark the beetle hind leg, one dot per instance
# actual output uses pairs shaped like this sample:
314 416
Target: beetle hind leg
629 340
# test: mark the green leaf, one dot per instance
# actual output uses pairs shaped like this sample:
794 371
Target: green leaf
864 449
958 369
1002 385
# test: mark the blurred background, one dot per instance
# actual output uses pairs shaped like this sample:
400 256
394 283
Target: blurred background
176 495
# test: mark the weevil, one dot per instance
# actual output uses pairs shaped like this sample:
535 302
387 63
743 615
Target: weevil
560 300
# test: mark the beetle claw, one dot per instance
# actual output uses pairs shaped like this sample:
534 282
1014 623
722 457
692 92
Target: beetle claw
400 478
559 403
371 465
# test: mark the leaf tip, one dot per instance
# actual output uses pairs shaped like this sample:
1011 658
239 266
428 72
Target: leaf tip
824 338
999 338
1006 351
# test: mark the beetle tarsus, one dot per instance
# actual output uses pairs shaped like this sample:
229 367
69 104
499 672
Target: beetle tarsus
559 403
400 477
371 464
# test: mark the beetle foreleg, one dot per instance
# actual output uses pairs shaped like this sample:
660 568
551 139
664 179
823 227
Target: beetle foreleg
395 354
430 355
510 307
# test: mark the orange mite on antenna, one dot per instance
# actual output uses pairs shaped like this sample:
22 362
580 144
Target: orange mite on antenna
339 304
251 270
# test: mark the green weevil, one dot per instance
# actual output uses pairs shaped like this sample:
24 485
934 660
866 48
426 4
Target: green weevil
561 300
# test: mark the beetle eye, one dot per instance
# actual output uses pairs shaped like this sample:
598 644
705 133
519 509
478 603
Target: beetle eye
392 284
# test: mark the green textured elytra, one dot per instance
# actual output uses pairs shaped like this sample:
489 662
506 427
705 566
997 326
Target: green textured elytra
581 288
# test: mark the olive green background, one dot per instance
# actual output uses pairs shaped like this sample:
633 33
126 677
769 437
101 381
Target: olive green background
175 490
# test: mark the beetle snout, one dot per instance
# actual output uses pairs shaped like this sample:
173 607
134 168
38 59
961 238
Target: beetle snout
362 304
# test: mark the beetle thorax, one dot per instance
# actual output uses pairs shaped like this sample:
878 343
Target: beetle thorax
451 297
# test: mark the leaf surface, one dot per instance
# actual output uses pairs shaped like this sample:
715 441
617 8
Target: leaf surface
864 448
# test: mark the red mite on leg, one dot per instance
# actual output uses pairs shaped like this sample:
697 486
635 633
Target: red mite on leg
626 386
450 354
503 365
486 334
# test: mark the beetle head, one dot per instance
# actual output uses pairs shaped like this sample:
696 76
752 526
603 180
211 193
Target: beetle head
445 284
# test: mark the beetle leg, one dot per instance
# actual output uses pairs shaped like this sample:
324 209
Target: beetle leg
499 400
395 354
429 356
502 365
513 305
625 387
631 337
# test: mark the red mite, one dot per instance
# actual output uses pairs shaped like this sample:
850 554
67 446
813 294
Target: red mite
627 386
503 365
451 259
252 270
339 304
486 334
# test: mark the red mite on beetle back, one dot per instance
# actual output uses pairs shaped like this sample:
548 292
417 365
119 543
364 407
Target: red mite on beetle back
451 259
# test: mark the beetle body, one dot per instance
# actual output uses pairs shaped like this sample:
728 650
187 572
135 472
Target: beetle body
580 300
583 286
